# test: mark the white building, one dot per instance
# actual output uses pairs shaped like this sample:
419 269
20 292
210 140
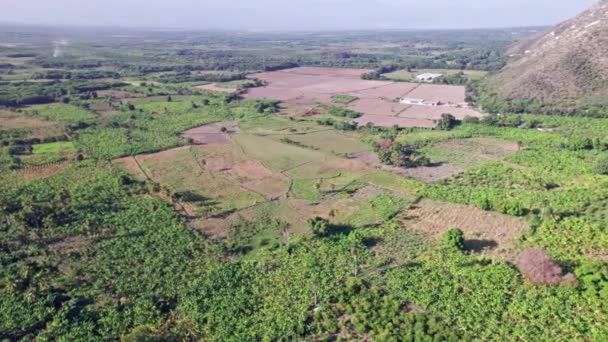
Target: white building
428 77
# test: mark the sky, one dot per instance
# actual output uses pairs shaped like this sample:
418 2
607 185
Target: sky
292 15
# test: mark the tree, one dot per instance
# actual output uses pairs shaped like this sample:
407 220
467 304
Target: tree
447 122
319 226
539 268
453 238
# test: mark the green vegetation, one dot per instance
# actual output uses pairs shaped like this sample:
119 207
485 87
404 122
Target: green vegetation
289 230
56 147
450 76
343 99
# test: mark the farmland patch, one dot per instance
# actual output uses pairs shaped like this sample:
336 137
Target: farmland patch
485 232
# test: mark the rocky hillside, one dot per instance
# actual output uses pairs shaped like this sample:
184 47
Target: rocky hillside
566 65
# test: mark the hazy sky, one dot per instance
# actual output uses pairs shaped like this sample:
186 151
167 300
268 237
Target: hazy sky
292 14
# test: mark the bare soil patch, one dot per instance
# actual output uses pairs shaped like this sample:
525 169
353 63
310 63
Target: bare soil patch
437 92
215 87
428 174
376 98
377 106
117 95
10 120
388 121
130 165
215 133
487 233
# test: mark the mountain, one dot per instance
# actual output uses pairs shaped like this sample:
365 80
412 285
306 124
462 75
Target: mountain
565 66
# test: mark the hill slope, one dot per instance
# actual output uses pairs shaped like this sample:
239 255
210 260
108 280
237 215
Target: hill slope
567 64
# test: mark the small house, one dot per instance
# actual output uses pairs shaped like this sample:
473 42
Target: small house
427 77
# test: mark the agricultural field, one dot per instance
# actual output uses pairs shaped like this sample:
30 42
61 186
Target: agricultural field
378 101
156 187
410 76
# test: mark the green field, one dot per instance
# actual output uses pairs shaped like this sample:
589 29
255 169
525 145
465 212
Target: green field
63 113
410 76
56 147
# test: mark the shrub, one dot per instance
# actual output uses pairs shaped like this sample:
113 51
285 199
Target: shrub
453 238
319 226
601 165
539 268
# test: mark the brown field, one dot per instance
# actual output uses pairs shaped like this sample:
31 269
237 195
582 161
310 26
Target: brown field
438 92
389 121
103 109
10 120
485 232
425 174
117 94
434 113
377 99
212 133
215 87
371 106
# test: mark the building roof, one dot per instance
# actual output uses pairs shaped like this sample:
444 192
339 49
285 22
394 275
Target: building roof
428 75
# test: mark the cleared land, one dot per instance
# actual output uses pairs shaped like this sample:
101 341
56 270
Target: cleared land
485 232
214 133
377 100
216 87
410 76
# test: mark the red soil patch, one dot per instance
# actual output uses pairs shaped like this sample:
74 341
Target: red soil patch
485 232
437 92
318 85
215 87
374 106
388 91
212 133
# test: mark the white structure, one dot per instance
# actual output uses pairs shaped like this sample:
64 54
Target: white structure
412 101
428 77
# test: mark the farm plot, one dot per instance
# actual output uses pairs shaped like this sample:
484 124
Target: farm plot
427 174
435 112
329 141
209 186
276 155
378 100
469 153
485 232
214 133
439 93
215 87
60 112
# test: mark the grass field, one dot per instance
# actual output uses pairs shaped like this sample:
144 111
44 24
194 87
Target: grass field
56 147
60 112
